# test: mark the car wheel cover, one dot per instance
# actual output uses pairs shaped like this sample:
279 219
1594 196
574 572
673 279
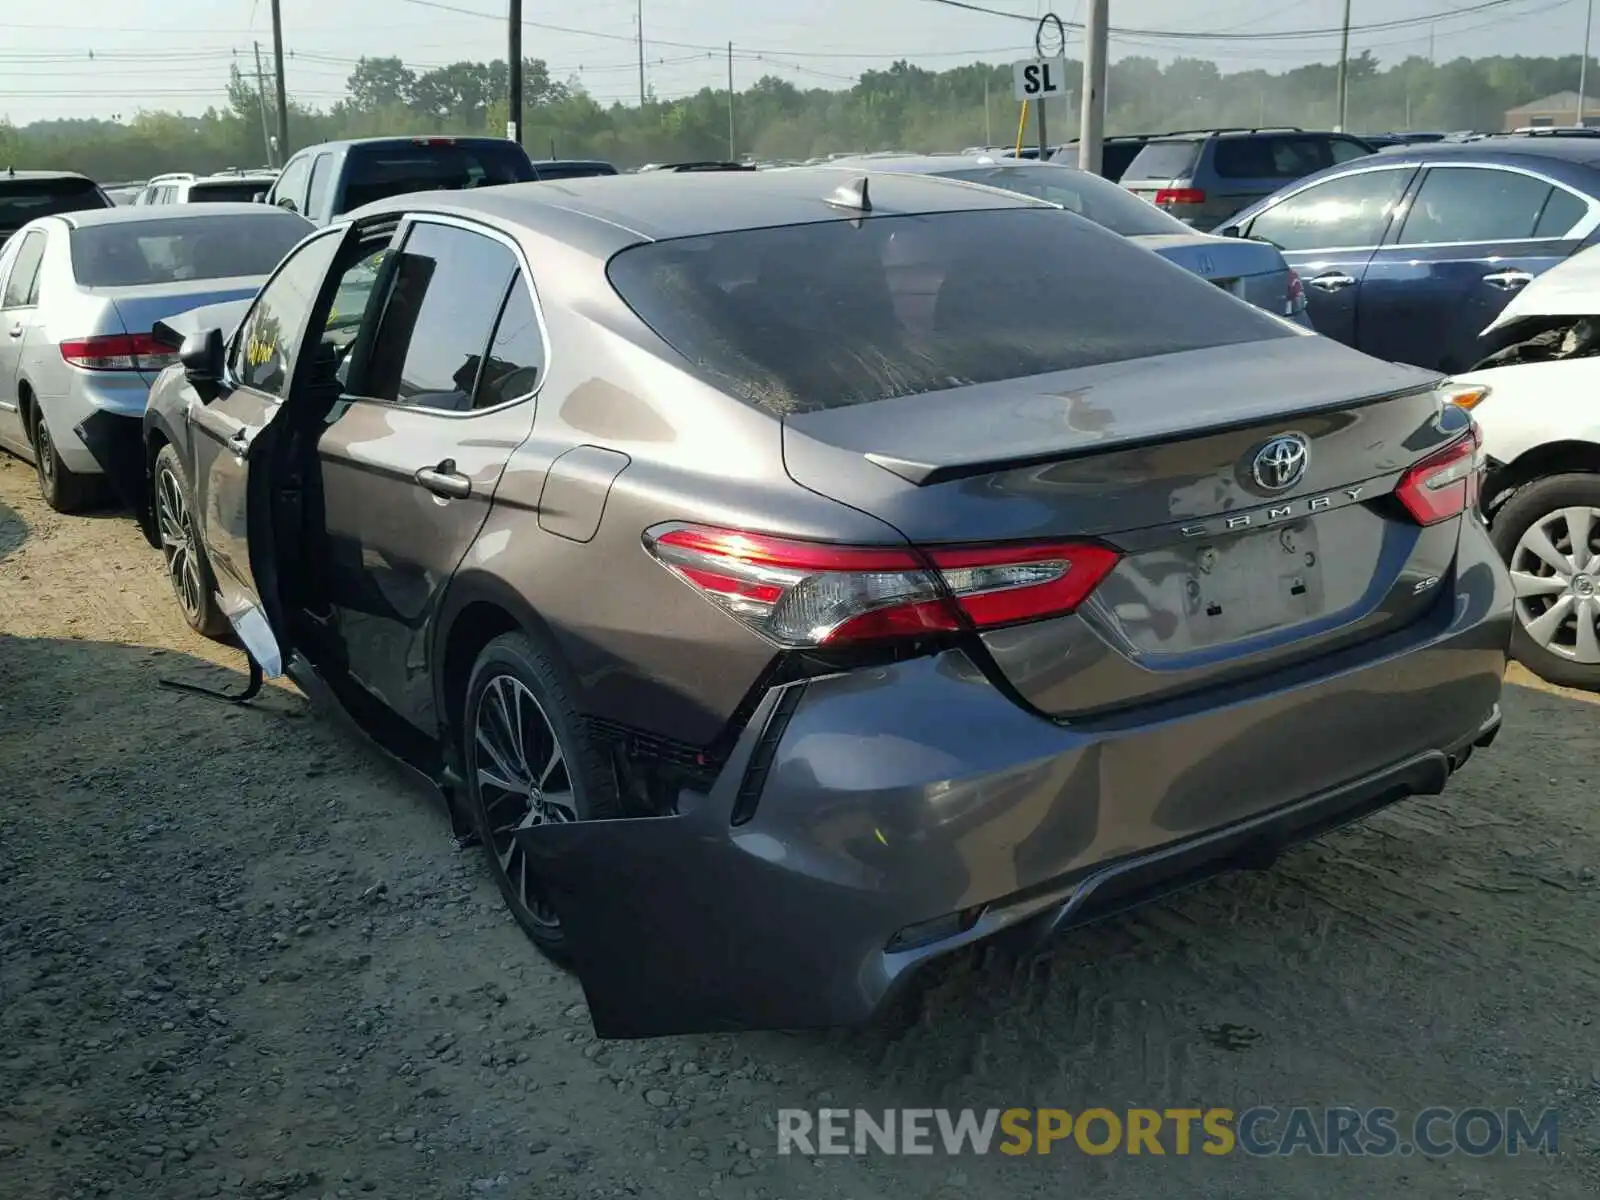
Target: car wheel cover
521 772
1555 572
177 543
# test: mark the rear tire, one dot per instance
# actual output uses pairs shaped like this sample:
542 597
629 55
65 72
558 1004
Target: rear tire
63 489
1556 634
188 569
528 760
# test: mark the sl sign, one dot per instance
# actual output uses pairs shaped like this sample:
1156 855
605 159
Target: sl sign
1039 78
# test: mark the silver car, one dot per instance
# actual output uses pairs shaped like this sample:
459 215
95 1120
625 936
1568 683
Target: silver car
1252 271
79 295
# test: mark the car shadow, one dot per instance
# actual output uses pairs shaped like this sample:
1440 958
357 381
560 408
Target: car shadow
14 531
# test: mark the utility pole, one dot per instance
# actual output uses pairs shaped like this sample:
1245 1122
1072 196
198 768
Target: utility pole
261 98
988 132
514 73
1344 71
1583 63
639 24
283 93
733 155
1096 48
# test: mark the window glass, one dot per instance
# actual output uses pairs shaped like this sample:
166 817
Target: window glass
266 345
234 191
178 249
1090 196
22 287
1474 205
21 200
321 183
826 315
516 357
431 165
292 184
448 286
1343 151
1561 212
1163 160
1271 157
1349 211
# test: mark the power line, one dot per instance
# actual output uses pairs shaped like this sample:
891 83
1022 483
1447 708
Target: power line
1261 36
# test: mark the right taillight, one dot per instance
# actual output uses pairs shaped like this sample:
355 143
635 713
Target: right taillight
800 594
1444 484
1166 196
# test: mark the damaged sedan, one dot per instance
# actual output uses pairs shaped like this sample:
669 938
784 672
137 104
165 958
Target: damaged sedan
791 577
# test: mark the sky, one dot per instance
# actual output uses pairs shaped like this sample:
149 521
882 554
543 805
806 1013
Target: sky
112 58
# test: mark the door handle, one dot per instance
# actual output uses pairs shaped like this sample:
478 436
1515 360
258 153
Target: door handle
1508 281
239 441
16 330
444 480
1333 281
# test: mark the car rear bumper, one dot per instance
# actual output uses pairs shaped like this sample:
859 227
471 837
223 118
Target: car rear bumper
870 821
113 441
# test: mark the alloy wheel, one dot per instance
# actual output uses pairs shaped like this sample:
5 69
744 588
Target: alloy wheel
1555 572
178 543
523 779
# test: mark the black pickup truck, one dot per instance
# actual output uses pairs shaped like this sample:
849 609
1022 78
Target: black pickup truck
324 181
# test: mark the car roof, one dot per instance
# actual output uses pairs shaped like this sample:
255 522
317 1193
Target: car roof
1506 149
417 139
933 164
13 173
657 205
92 217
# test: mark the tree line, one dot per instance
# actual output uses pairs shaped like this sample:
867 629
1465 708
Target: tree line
901 107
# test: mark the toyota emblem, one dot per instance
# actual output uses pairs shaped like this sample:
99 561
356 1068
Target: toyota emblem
1281 463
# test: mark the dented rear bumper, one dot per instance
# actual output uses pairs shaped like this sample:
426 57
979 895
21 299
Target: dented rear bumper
869 822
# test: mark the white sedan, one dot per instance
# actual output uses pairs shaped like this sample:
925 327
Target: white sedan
1538 402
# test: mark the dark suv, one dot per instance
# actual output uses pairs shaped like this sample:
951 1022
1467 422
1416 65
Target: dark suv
1203 177
25 195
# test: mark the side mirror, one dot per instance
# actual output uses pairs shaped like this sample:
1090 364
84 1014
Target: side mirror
1229 231
202 356
288 205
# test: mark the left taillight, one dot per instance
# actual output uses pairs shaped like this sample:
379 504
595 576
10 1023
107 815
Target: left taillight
800 594
118 352
1294 301
1447 483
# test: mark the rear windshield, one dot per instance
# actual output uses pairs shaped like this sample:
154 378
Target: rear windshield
233 191
1163 160
177 249
808 317
1088 195
377 172
21 200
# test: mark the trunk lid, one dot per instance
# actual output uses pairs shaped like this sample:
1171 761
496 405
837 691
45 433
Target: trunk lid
140 308
1253 271
1220 576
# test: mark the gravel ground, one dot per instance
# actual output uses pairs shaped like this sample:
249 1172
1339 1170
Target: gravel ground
239 956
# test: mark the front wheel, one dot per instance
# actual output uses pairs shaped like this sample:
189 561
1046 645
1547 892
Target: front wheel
529 761
188 571
1548 533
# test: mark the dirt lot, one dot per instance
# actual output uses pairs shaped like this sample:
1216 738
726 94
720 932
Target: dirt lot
239 956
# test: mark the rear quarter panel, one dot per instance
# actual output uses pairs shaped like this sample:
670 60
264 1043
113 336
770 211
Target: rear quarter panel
642 648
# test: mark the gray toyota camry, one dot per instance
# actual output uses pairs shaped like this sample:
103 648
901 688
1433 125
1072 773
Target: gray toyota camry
790 577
